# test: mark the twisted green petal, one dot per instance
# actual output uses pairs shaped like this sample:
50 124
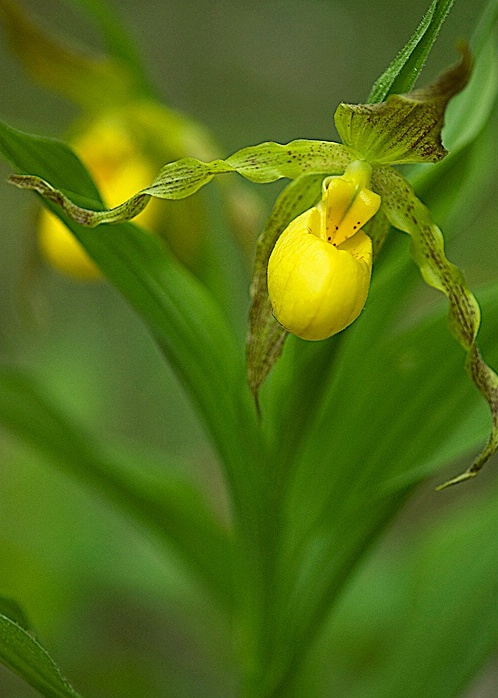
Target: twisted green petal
405 212
262 163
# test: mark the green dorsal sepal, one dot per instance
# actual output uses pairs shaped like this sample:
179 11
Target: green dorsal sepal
405 128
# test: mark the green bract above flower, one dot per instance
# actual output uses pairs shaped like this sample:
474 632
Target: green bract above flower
404 128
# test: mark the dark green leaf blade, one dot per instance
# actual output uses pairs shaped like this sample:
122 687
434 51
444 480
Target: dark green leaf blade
50 156
12 610
357 424
360 475
448 626
152 492
182 316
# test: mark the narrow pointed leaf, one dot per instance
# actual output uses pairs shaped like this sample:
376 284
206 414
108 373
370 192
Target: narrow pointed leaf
48 155
408 214
183 317
402 73
159 498
262 163
25 656
406 128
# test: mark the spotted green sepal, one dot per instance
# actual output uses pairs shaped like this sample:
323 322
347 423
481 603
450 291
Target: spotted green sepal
405 128
407 213
262 163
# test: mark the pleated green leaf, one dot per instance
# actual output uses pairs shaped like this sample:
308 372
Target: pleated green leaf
316 553
408 214
24 655
151 491
361 445
262 163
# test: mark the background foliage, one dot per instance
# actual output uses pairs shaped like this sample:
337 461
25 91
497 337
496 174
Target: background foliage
120 616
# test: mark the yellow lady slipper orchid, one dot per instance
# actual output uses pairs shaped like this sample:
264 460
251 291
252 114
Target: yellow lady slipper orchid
319 270
119 170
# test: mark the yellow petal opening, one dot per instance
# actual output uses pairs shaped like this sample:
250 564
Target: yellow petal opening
319 271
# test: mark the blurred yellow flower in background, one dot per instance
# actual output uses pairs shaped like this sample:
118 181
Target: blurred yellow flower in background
120 169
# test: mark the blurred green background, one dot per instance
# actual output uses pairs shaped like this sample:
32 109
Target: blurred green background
116 612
